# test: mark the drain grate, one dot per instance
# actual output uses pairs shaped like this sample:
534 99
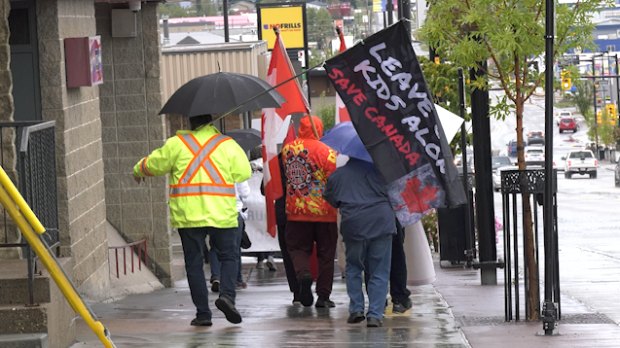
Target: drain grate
578 318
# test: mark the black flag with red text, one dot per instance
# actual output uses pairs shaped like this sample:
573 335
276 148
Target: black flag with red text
390 105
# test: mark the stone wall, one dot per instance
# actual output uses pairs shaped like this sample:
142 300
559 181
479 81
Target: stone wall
130 100
81 191
8 134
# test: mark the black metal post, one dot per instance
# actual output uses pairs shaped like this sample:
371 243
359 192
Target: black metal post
405 5
225 12
596 154
390 12
549 313
469 241
617 91
485 211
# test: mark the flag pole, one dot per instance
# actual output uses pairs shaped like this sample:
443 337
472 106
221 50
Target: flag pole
276 30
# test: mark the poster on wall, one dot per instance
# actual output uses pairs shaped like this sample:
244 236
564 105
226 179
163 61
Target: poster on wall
289 18
96 73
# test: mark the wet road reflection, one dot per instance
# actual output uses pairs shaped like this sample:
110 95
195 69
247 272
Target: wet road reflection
161 319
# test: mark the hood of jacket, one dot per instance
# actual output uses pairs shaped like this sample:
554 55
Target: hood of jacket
305 127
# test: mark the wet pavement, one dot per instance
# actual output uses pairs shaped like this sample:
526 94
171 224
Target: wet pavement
161 319
454 312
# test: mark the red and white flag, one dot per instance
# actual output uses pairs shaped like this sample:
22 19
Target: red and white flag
280 70
342 114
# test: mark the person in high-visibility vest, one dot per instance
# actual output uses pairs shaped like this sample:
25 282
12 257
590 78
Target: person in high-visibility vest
204 166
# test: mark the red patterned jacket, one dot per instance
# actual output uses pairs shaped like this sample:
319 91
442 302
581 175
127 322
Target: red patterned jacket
307 165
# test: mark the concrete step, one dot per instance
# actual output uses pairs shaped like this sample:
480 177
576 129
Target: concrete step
19 319
14 288
38 340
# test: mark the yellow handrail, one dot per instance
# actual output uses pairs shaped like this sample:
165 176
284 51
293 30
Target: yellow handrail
11 199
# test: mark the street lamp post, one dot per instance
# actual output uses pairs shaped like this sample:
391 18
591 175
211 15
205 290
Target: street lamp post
594 56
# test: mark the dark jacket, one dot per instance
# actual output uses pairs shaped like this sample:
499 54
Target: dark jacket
358 190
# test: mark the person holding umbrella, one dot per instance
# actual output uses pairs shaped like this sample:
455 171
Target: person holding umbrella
367 225
204 166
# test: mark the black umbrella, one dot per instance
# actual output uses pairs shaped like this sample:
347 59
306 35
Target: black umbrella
222 92
246 138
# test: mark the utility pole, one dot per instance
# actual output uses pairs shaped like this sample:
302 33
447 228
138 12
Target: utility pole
549 309
485 211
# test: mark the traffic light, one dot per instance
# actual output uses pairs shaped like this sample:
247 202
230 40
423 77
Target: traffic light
566 84
598 117
611 113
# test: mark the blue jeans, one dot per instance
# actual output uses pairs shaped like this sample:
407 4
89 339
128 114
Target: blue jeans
193 241
214 262
377 252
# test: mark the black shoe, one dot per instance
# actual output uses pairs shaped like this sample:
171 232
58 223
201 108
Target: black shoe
305 290
324 302
201 322
215 287
373 322
401 307
296 299
228 307
356 317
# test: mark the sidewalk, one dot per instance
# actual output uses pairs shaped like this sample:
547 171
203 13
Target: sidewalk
453 312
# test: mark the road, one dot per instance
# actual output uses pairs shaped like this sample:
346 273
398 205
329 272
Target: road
588 219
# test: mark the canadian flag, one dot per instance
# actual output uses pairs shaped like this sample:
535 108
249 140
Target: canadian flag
280 70
342 114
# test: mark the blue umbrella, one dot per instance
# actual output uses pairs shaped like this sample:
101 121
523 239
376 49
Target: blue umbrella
343 139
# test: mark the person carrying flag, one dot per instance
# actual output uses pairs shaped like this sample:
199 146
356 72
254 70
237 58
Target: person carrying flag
307 165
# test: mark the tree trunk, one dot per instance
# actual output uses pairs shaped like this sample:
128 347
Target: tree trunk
529 253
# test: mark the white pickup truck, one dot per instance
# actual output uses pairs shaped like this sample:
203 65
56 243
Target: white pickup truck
580 162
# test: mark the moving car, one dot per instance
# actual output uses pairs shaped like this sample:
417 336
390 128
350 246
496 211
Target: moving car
580 162
568 123
536 137
534 156
497 176
512 147
562 114
499 163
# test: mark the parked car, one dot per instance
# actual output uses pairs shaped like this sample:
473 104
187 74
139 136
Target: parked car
536 137
562 114
512 147
580 162
535 156
568 123
617 175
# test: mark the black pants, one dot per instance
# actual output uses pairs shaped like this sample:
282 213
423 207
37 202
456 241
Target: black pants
293 285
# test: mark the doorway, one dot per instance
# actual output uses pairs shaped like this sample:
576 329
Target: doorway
25 61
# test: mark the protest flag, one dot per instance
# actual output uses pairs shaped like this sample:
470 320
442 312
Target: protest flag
342 114
390 105
280 70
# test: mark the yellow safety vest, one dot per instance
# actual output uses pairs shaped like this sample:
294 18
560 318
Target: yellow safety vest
203 166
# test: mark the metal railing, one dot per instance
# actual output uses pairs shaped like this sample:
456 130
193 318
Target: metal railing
35 165
515 183
131 246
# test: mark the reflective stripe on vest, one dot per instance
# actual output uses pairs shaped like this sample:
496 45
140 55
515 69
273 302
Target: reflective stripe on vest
201 189
143 168
202 159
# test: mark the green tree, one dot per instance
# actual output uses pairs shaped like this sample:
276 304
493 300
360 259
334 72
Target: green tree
508 34
582 96
443 81
320 26
172 11
327 113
